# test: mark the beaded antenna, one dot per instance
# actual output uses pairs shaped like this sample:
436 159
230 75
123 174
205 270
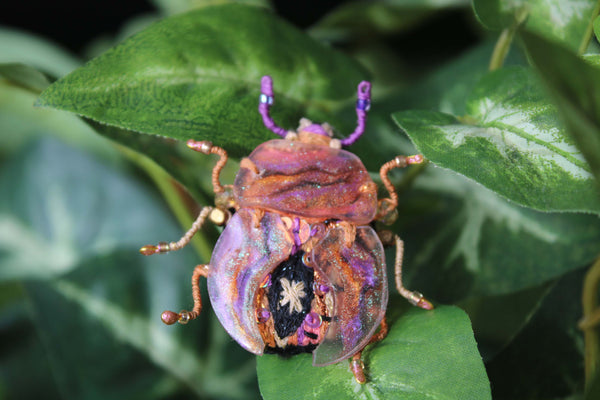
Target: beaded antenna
363 104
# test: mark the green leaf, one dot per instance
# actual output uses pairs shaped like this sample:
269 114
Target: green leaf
423 356
566 21
361 19
20 122
498 319
23 358
511 141
25 76
545 361
25 48
191 76
462 240
575 86
70 229
170 7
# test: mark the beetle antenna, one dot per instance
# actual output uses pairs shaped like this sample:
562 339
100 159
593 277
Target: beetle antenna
265 102
363 104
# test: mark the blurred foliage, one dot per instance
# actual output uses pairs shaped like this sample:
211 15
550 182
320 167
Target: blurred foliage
502 222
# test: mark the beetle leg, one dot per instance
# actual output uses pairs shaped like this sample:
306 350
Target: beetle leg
414 297
185 239
206 147
386 207
358 368
170 317
356 364
382 333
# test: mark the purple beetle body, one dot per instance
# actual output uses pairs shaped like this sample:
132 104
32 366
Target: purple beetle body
298 268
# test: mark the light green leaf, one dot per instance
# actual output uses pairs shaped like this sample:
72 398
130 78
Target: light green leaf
25 76
566 21
170 7
70 229
423 356
20 121
511 141
462 240
26 48
191 76
575 86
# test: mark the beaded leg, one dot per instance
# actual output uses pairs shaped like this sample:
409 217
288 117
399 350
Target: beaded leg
183 317
184 240
356 364
386 211
414 297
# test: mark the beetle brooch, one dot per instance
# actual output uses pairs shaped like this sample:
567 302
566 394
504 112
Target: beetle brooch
298 268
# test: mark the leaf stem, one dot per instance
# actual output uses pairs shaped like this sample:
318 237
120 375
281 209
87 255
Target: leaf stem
172 194
505 40
590 308
587 36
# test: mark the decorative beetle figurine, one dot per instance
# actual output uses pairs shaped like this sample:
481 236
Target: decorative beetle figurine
298 268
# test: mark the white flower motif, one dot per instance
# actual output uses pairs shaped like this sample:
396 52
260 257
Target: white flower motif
292 293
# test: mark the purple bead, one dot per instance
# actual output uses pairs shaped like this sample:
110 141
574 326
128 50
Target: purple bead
263 315
324 288
313 320
363 104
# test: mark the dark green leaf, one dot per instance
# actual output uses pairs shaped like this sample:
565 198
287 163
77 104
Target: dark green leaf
575 86
511 141
367 18
190 76
545 361
498 319
423 357
562 20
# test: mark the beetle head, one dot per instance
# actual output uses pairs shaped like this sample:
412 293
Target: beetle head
308 132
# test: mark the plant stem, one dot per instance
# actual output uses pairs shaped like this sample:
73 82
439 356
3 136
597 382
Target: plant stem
587 36
505 40
590 307
167 187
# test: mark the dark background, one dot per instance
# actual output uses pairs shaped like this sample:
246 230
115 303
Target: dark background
74 24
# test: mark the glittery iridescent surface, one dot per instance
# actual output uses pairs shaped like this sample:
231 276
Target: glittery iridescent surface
245 252
307 180
357 275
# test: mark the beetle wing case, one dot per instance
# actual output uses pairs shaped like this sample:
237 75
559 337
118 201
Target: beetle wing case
357 275
311 181
245 252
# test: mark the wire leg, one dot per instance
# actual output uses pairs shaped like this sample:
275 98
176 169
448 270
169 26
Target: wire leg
414 297
163 247
183 317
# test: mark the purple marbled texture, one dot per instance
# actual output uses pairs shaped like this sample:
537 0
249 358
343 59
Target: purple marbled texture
242 257
312 181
